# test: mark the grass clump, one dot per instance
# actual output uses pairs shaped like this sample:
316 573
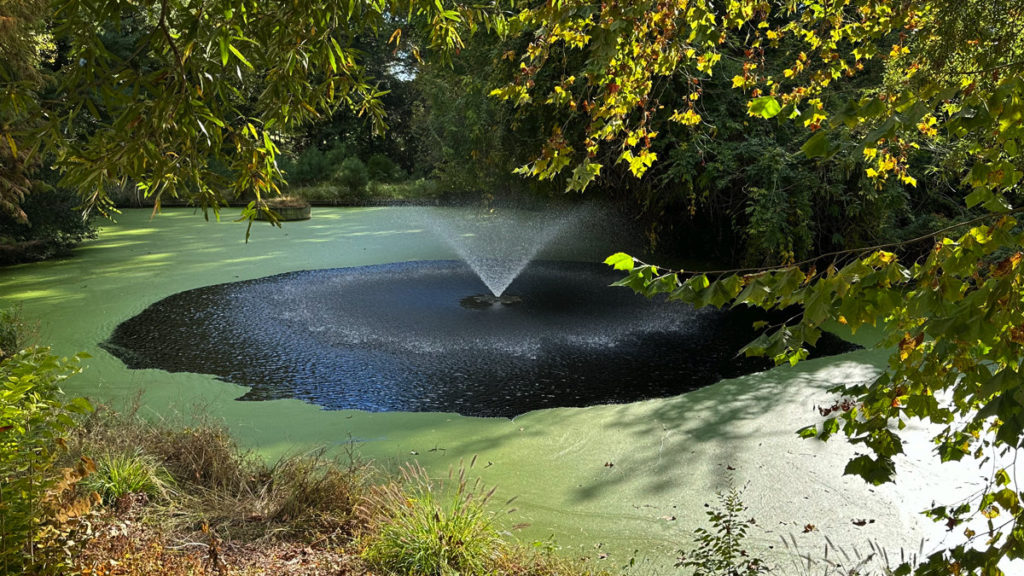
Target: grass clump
121 475
425 528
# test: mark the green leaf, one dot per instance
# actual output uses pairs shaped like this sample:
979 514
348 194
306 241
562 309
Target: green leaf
80 406
828 428
224 53
764 106
808 432
818 304
876 472
886 130
816 146
620 261
884 443
239 56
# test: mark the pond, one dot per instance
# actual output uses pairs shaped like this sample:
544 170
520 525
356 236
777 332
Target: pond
401 337
602 481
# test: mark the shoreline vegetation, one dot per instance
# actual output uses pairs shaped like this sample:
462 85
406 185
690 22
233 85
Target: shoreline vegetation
104 492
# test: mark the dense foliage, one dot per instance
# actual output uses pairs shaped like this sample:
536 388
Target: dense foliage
53 225
949 302
187 100
36 515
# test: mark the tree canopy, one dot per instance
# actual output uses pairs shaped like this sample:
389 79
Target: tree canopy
185 98
950 302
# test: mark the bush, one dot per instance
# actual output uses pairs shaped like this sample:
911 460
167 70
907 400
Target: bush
37 519
352 176
428 530
380 168
13 332
720 551
55 226
411 190
319 194
313 165
376 192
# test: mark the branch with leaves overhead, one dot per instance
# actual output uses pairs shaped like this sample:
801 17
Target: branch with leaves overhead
952 79
194 107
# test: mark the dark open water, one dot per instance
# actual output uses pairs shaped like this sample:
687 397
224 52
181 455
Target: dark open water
395 338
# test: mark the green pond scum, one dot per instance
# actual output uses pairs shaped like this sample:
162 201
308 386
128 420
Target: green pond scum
612 483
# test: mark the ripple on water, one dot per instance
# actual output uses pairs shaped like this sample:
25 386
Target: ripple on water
394 337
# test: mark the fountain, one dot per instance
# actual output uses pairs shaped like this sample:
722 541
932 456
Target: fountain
474 337
498 243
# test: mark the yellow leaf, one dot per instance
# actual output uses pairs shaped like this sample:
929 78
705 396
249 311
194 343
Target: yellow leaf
687 118
738 81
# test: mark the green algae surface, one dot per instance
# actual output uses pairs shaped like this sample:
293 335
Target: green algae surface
608 483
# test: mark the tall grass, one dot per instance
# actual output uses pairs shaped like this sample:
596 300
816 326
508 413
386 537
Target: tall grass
427 528
835 560
216 483
120 475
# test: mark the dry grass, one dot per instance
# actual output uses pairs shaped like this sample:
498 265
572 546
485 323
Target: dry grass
229 514
227 489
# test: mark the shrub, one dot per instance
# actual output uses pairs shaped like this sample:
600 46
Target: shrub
35 515
352 175
380 168
720 551
55 226
313 165
410 190
432 530
319 193
13 332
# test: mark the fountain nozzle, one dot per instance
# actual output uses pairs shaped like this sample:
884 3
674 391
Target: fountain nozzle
481 301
